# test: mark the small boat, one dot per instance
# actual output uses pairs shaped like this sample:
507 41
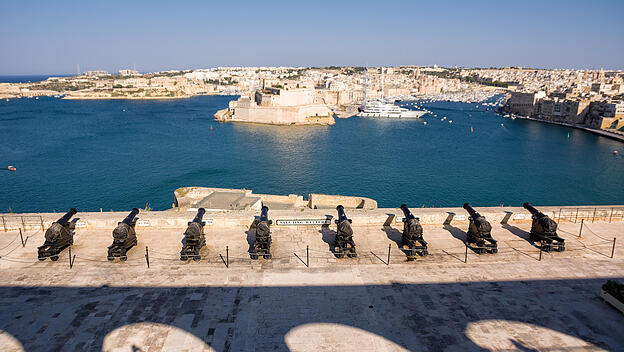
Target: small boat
11 168
615 152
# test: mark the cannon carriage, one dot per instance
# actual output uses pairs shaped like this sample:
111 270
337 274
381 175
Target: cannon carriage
479 236
544 231
262 243
58 237
343 242
412 241
194 238
124 237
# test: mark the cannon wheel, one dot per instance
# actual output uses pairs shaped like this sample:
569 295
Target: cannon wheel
196 258
352 255
267 256
183 257
339 255
110 259
123 258
54 258
41 259
253 256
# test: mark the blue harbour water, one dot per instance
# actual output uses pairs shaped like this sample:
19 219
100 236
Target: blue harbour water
120 154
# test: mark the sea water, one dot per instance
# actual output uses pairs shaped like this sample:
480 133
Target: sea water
120 154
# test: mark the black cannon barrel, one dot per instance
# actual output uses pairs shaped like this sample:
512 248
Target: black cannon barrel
130 218
408 214
64 220
341 213
200 215
533 211
471 211
264 213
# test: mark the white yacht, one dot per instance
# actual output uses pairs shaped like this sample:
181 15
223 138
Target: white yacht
379 109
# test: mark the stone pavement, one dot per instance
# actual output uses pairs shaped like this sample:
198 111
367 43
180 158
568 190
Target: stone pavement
509 301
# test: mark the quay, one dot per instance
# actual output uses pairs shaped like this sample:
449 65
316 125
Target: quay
607 134
305 298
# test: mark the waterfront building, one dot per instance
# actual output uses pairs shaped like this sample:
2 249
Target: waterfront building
523 103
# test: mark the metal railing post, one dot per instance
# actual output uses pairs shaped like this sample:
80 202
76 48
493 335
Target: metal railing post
613 248
4 224
147 257
559 218
23 225
71 260
540 257
22 237
388 262
227 257
308 255
42 227
611 216
581 229
576 217
466 254
594 216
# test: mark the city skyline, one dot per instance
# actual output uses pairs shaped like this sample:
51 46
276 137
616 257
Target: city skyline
44 38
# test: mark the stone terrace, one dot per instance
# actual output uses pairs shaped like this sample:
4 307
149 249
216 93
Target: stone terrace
505 302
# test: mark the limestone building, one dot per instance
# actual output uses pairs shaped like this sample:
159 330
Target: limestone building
279 106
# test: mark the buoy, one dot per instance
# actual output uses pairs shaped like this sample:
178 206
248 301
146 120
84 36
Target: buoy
425 122
502 124
615 152
471 130
211 127
11 168
568 134
451 121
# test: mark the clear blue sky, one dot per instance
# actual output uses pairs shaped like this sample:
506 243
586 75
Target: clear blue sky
51 37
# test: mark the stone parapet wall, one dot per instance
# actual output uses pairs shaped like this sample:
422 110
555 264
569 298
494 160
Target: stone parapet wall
178 219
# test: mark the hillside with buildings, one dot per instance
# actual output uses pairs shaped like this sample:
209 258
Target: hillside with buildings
313 95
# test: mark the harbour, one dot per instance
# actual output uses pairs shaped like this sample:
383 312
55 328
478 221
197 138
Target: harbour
124 154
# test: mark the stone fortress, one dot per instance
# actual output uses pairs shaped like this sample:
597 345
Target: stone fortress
289 105
305 298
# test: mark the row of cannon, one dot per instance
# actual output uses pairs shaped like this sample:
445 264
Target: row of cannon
478 237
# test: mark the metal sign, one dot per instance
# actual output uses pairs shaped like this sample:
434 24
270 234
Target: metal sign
459 217
398 218
81 224
303 222
518 216
143 223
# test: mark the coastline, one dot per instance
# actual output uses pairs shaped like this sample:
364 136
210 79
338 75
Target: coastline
602 133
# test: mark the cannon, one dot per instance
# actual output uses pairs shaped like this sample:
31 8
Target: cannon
544 231
343 242
479 232
262 243
58 237
124 237
412 240
194 238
